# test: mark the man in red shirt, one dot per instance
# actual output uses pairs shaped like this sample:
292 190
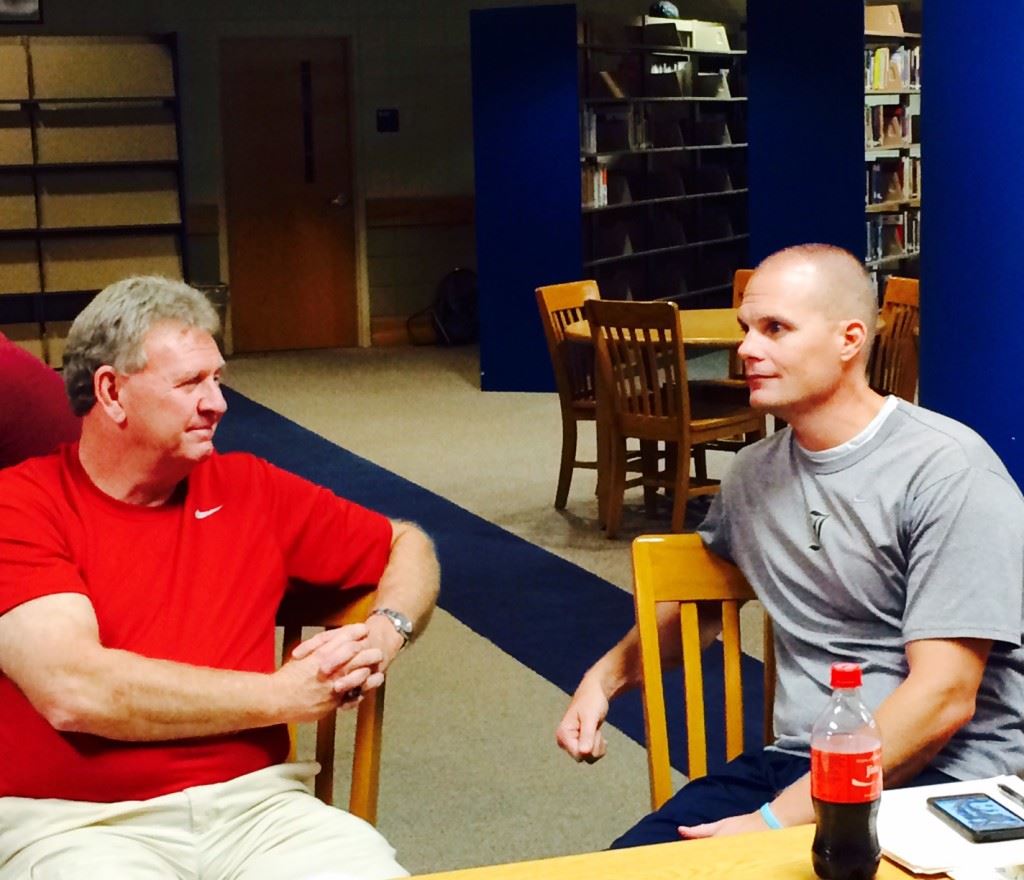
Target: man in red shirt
144 725
34 413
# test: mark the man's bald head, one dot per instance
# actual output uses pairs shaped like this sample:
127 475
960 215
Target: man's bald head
840 282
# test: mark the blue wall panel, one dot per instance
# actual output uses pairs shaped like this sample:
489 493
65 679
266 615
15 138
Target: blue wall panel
805 124
526 154
972 301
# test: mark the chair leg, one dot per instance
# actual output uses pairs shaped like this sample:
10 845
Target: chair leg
649 464
616 486
681 487
700 464
568 460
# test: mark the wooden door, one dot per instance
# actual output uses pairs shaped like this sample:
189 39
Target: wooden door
288 192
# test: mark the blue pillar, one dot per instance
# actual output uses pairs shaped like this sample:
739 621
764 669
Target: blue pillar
972 295
806 124
526 154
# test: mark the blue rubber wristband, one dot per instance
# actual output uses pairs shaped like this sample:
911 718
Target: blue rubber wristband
771 820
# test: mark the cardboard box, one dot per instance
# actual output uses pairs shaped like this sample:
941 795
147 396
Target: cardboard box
883 19
684 32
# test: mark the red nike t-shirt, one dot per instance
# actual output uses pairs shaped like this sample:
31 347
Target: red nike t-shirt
196 580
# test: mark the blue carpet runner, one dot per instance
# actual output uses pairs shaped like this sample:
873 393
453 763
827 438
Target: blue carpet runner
547 613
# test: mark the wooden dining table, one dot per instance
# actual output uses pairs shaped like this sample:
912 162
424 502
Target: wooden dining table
776 855
702 328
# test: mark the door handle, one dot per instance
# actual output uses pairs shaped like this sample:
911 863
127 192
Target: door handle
341 200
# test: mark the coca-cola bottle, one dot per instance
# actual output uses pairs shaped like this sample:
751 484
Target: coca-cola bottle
846 782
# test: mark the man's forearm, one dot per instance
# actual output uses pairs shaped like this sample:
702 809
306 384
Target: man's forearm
916 720
913 733
621 669
124 696
412 578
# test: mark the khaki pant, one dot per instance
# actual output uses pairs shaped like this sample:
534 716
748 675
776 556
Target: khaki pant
261 826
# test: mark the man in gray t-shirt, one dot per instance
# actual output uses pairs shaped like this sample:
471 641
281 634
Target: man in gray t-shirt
873 531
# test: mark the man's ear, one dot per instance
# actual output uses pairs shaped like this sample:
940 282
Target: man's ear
107 389
855 335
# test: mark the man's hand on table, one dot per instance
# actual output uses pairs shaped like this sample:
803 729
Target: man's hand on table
743 824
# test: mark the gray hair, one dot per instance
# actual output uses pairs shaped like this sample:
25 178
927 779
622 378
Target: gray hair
111 329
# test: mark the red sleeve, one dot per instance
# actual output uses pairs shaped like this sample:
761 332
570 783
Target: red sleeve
35 416
35 559
326 539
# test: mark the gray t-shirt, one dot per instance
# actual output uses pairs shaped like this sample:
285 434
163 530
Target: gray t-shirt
917 533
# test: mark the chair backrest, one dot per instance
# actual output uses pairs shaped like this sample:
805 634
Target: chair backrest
638 348
318 606
573 365
739 285
894 361
678 568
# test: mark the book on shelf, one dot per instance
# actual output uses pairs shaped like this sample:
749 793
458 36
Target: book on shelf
588 130
892 69
895 126
594 185
893 235
910 177
884 183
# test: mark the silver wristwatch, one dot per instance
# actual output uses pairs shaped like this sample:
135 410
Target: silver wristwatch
401 623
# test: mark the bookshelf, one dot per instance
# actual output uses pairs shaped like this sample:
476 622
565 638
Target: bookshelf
90 174
662 159
892 145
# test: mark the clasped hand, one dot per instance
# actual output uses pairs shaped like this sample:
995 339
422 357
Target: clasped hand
333 669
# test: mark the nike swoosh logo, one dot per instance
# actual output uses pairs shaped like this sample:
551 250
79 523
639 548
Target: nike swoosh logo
203 514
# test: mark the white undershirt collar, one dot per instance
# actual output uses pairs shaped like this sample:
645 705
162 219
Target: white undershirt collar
826 455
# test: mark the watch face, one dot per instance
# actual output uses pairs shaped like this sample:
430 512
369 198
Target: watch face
399 620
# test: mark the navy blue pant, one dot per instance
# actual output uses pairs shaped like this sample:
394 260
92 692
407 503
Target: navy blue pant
745 783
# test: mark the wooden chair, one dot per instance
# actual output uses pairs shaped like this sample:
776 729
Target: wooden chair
739 285
561 305
317 606
893 366
677 568
642 365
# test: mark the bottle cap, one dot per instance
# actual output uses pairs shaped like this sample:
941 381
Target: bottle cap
846 675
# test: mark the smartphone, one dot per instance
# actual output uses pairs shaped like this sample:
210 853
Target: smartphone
978 817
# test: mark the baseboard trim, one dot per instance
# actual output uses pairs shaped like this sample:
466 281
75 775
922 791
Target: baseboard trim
389 330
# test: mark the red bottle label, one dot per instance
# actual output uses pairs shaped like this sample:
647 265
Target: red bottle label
846 777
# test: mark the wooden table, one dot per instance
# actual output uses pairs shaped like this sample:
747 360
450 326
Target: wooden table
702 328
768 855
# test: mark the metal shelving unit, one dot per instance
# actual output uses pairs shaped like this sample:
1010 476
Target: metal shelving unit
94 183
675 164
